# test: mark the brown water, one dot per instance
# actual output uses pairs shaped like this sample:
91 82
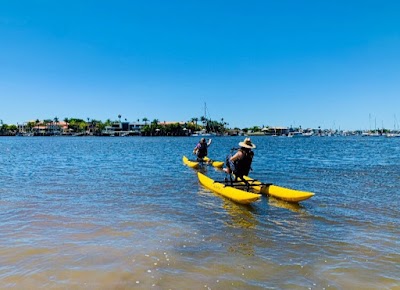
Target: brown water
123 213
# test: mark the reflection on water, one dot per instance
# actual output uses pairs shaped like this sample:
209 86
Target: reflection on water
295 207
241 217
241 214
123 213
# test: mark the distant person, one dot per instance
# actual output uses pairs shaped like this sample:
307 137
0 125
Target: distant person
201 149
240 163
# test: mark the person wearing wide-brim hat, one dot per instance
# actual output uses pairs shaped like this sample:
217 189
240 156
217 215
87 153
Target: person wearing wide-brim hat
247 144
240 163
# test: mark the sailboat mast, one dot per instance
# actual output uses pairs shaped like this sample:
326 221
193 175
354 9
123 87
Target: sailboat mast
370 122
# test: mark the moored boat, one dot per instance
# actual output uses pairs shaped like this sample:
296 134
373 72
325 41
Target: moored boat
230 192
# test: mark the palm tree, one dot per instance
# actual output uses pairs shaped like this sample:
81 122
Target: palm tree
203 120
93 125
98 126
56 122
145 120
154 126
37 122
47 122
66 120
195 120
30 125
88 126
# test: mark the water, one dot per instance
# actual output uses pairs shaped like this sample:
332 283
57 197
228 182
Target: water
122 213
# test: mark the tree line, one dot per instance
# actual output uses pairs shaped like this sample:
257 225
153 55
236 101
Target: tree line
97 127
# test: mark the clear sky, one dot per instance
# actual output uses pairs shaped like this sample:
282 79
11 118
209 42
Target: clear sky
334 64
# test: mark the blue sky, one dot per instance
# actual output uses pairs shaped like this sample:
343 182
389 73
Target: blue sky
334 64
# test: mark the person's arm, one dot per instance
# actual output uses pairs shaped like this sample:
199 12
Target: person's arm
209 142
195 149
236 156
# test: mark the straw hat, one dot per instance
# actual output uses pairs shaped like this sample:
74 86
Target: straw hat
247 144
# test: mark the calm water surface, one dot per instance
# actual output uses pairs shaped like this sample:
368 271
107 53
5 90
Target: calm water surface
122 213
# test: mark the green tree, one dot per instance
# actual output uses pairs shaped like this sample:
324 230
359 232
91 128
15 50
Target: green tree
37 122
77 125
98 126
56 123
30 126
146 130
4 127
88 125
195 120
47 122
82 126
203 120
13 128
256 129
108 122
66 120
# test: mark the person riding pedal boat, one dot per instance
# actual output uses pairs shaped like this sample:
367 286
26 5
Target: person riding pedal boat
201 149
240 163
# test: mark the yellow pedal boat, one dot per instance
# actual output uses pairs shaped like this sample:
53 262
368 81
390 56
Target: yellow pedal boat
196 164
232 193
190 163
216 164
279 192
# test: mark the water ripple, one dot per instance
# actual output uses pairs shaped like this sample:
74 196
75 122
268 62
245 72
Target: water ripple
109 213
